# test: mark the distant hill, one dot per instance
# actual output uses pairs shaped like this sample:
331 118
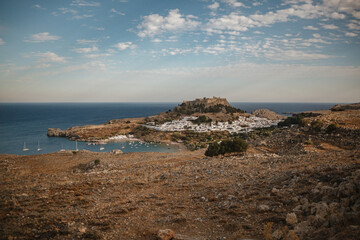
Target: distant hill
206 105
343 107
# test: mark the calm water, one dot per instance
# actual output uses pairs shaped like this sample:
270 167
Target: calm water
28 122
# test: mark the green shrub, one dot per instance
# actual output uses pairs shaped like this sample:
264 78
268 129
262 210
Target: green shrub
213 150
295 119
227 146
97 161
332 127
316 125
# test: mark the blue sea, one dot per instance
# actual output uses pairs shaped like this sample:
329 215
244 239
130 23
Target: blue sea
28 123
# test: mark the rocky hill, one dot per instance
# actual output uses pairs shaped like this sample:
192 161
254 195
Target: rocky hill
266 113
343 107
206 105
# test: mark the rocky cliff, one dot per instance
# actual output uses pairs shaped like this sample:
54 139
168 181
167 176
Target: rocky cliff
56 132
203 105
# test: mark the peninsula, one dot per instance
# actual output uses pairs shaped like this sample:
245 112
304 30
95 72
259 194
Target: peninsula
296 178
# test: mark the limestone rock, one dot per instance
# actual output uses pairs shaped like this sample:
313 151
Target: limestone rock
291 218
165 234
56 132
277 234
117 151
264 208
303 228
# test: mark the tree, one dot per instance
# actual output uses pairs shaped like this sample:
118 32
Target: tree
227 146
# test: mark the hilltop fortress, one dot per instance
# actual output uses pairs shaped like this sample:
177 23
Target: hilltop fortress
202 105
207 102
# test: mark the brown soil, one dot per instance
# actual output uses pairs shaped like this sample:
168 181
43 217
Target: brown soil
291 183
132 196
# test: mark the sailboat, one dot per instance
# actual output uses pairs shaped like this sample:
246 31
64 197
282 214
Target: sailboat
38 148
101 147
25 148
76 147
62 148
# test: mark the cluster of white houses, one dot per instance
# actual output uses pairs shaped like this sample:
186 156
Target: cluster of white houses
243 124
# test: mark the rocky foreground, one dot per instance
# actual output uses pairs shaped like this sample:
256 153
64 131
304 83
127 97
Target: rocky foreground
292 183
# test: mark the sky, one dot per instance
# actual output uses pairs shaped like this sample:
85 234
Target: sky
172 50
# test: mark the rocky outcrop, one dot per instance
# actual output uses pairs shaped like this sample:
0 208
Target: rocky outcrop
165 234
56 132
329 208
204 105
343 107
207 102
266 113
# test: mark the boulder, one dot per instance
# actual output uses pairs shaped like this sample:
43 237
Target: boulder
263 208
117 151
165 234
291 218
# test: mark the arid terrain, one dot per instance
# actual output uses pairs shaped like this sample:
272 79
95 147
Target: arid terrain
292 183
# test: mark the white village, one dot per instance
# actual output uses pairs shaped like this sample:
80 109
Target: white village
242 124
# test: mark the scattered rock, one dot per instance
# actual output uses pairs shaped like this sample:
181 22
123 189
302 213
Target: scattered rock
117 151
165 234
264 208
277 234
291 218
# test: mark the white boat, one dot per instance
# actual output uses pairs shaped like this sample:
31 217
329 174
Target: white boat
62 148
38 148
101 147
76 148
25 148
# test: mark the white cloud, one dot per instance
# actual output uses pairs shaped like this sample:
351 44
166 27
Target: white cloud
337 15
156 40
64 11
113 10
89 66
2 41
354 25
348 6
38 7
97 55
237 22
351 34
86 50
311 28
214 6
50 57
155 24
329 26
86 41
82 3
233 3
297 55
125 45
77 17
356 14
41 37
